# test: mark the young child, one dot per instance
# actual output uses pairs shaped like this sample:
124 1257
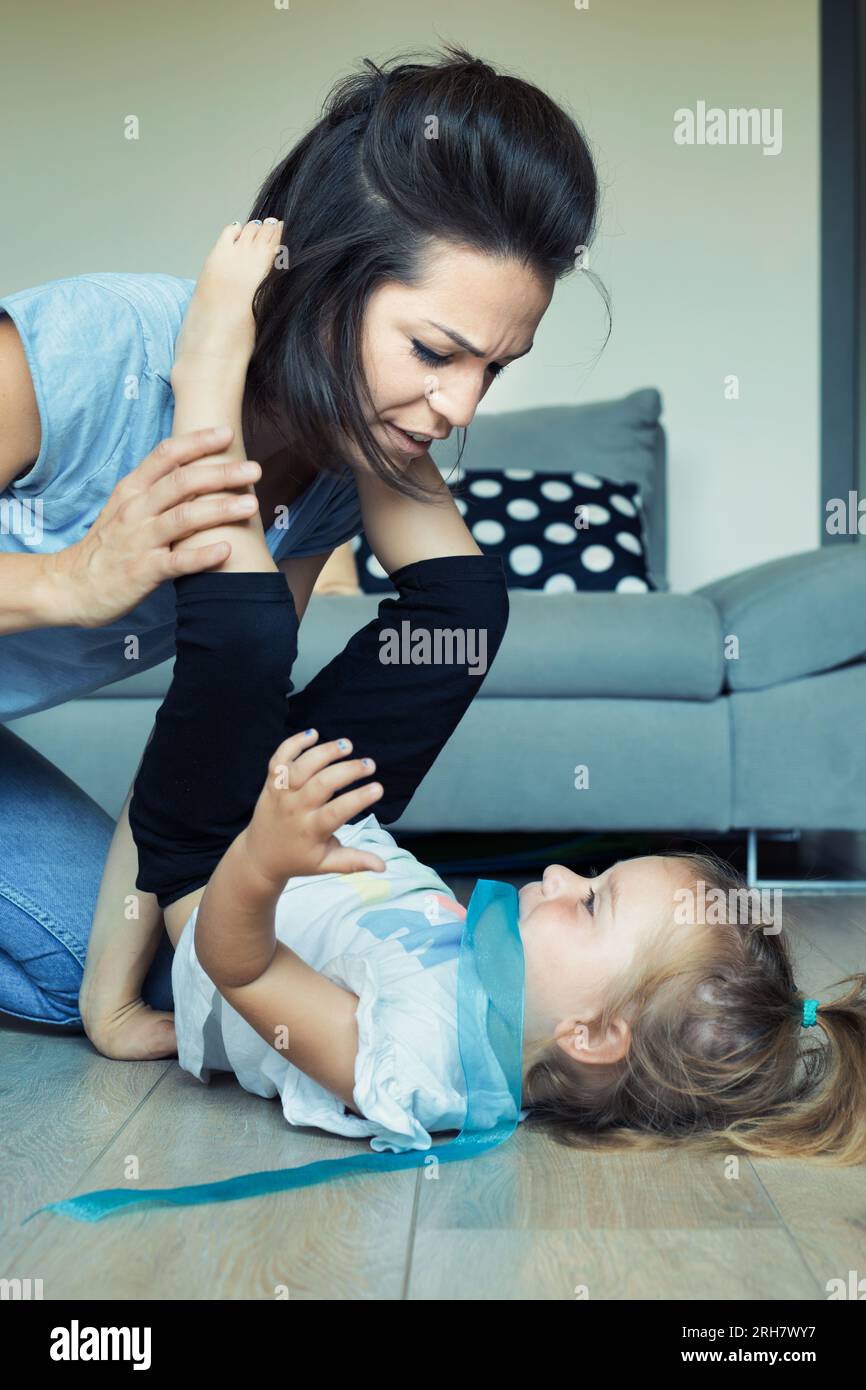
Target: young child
317 959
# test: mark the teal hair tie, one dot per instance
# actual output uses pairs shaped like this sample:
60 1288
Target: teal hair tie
810 1010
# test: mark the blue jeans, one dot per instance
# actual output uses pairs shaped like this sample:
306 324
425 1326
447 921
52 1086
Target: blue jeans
53 845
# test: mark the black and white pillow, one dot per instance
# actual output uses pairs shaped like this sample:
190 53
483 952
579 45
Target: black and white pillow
556 532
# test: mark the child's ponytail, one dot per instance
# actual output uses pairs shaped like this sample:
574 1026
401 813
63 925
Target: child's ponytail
825 1120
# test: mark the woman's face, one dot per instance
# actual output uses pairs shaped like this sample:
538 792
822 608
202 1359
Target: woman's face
495 306
573 947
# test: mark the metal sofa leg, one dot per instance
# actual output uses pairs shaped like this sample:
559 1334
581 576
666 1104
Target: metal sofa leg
793 885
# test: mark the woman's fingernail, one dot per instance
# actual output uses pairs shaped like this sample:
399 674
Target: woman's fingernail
368 762
343 743
307 732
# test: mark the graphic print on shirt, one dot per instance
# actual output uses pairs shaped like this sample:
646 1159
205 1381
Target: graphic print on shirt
433 943
431 936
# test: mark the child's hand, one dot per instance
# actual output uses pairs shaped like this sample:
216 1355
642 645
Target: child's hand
218 327
292 829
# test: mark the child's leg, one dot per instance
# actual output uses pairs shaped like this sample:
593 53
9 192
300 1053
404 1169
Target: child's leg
222 718
236 637
403 714
218 726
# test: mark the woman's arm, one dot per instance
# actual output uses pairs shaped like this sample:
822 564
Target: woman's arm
27 598
126 553
124 936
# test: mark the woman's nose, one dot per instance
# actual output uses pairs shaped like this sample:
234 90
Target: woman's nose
458 402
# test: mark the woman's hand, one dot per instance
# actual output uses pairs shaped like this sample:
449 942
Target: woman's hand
132 1032
127 553
292 829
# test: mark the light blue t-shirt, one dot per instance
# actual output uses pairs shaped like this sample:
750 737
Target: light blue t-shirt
100 349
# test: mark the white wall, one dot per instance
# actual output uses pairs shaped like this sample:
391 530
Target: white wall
710 253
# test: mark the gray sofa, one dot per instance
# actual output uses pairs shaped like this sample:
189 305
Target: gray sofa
674 734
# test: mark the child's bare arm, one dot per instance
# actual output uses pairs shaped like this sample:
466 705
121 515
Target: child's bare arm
292 1006
301 1013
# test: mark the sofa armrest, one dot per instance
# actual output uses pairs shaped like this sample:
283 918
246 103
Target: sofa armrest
793 617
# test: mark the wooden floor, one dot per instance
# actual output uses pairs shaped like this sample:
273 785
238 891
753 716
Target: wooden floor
529 1220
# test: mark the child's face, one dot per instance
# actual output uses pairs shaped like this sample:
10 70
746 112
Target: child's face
572 949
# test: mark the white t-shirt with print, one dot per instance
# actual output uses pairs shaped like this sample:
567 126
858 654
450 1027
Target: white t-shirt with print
393 939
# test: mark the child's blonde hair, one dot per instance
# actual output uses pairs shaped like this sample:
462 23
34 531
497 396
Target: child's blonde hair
718 1055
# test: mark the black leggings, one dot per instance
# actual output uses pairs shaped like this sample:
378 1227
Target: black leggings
231 702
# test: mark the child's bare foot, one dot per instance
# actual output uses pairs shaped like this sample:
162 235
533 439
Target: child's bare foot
219 326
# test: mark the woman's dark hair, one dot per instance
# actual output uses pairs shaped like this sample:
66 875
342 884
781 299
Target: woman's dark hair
362 197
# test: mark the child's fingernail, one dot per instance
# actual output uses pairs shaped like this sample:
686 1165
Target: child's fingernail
249 470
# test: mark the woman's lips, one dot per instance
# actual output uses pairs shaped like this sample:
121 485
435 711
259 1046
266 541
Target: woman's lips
404 442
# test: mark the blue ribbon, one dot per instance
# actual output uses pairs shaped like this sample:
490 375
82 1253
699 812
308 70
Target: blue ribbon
490 995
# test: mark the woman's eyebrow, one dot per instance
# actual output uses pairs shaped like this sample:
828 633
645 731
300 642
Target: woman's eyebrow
462 342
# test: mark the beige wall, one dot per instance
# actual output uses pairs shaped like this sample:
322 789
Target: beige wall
710 252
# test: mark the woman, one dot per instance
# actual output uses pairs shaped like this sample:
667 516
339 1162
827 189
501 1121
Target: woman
440 183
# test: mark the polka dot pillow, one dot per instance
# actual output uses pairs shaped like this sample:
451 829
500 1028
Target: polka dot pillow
556 532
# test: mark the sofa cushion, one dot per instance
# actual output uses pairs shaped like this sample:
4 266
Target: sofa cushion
628 646
792 617
558 646
652 646
556 532
620 439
